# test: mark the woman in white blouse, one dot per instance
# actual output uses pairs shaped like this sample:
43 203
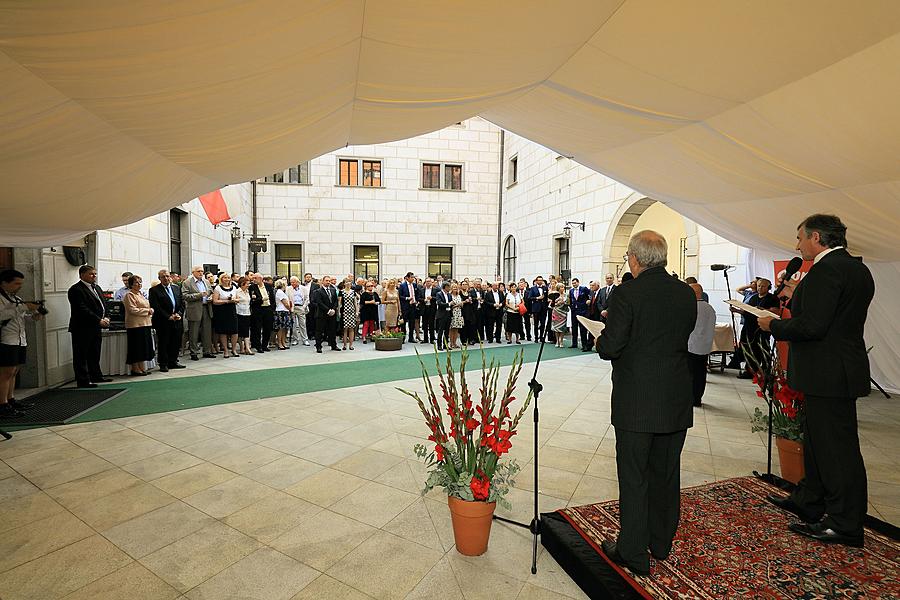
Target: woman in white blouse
513 314
243 315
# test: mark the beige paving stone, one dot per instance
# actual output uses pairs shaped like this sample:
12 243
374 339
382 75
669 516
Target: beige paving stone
325 487
480 583
284 472
246 459
439 582
262 431
128 583
564 459
292 442
20 445
327 451
552 482
215 446
272 516
193 559
121 506
27 509
551 577
15 487
31 541
263 575
323 541
385 566
594 489
407 475
374 504
70 470
46 457
415 524
367 464
63 571
156 529
533 592
161 465
129 453
80 432
574 441
182 438
229 496
233 422
332 589
192 480
509 552
92 488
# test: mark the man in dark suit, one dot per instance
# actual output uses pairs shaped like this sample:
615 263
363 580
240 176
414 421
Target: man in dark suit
493 313
538 295
168 310
578 300
606 291
646 338
325 301
829 364
409 292
428 302
442 316
87 318
262 312
310 285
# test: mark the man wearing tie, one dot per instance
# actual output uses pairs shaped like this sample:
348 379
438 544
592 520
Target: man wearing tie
168 309
442 318
408 294
325 300
198 313
578 300
538 295
88 317
605 292
429 303
493 313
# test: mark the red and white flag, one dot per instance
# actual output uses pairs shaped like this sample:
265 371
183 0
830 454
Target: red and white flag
222 205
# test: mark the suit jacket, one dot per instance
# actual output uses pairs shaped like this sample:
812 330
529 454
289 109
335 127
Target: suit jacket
407 291
162 304
443 306
828 314
579 306
86 309
646 338
535 305
324 299
488 307
595 305
256 297
604 297
193 299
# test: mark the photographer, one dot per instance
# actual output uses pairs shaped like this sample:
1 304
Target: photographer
13 312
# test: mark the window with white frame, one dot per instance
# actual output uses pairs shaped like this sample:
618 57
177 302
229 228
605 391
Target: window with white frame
442 176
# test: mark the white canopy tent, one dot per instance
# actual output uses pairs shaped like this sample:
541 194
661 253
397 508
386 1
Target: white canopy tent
743 115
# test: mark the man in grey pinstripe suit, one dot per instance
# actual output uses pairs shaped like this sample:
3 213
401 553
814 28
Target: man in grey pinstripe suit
646 339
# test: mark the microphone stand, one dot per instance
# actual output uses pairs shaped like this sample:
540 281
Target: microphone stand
733 322
535 526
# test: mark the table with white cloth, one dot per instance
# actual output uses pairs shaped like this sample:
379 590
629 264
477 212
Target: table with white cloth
114 351
723 345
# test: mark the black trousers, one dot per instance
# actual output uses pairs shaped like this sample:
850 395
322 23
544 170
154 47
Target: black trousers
497 325
834 483
485 325
168 341
442 331
697 364
311 324
261 321
648 466
579 330
428 332
326 329
86 346
540 324
526 325
409 323
467 334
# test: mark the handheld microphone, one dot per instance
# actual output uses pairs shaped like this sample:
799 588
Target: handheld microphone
718 267
789 271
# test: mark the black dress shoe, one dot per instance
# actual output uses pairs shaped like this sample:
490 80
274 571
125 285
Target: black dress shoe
87 385
335 348
10 412
318 351
785 503
824 533
612 552
163 369
208 355
177 366
194 357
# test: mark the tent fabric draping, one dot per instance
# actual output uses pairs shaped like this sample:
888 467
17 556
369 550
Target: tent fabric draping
743 116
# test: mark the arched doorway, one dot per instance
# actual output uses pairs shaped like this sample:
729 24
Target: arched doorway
639 212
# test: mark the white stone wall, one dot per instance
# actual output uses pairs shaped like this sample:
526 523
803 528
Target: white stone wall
400 217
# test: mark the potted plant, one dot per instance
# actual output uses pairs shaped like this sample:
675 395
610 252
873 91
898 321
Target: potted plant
787 409
468 445
388 340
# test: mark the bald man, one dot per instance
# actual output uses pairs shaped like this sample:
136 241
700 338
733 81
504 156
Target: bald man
700 343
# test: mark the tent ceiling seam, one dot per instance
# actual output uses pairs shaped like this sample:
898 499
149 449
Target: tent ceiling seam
362 31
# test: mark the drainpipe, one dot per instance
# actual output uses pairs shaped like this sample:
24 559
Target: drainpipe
253 224
500 205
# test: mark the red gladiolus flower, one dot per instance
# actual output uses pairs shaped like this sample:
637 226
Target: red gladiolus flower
471 424
439 452
480 487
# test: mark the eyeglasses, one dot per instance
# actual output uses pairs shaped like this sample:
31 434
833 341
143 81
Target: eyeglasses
625 257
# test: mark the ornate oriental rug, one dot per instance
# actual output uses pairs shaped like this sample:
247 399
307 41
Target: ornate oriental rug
731 543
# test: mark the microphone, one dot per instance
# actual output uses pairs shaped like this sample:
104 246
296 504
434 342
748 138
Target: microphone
718 267
791 268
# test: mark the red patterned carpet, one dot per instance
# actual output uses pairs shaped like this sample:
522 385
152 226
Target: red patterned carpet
731 543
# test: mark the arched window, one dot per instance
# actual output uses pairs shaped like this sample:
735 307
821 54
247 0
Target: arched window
509 258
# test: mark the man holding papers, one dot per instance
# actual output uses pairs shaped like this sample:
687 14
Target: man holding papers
829 364
646 338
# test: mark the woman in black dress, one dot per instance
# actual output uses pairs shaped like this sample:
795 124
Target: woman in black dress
225 321
368 311
467 333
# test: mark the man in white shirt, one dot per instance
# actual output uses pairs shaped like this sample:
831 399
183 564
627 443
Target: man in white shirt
300 300
700 343
429 310
13 312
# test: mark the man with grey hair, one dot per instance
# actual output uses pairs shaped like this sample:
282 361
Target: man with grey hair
700 343
198 312
646 338
168 308
300 306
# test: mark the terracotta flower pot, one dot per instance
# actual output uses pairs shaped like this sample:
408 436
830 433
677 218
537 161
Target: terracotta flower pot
388 344
471 525
790 455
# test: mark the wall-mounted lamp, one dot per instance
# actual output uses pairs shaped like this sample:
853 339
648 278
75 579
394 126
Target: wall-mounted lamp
567 230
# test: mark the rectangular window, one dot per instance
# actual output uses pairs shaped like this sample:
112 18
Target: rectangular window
348 172
289 260
371 173
175 217
431 176
365 261
274 178
299 173
513 170
440 261
452 177
563 254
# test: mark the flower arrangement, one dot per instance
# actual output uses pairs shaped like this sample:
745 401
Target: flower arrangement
387 335
465 458
786 402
